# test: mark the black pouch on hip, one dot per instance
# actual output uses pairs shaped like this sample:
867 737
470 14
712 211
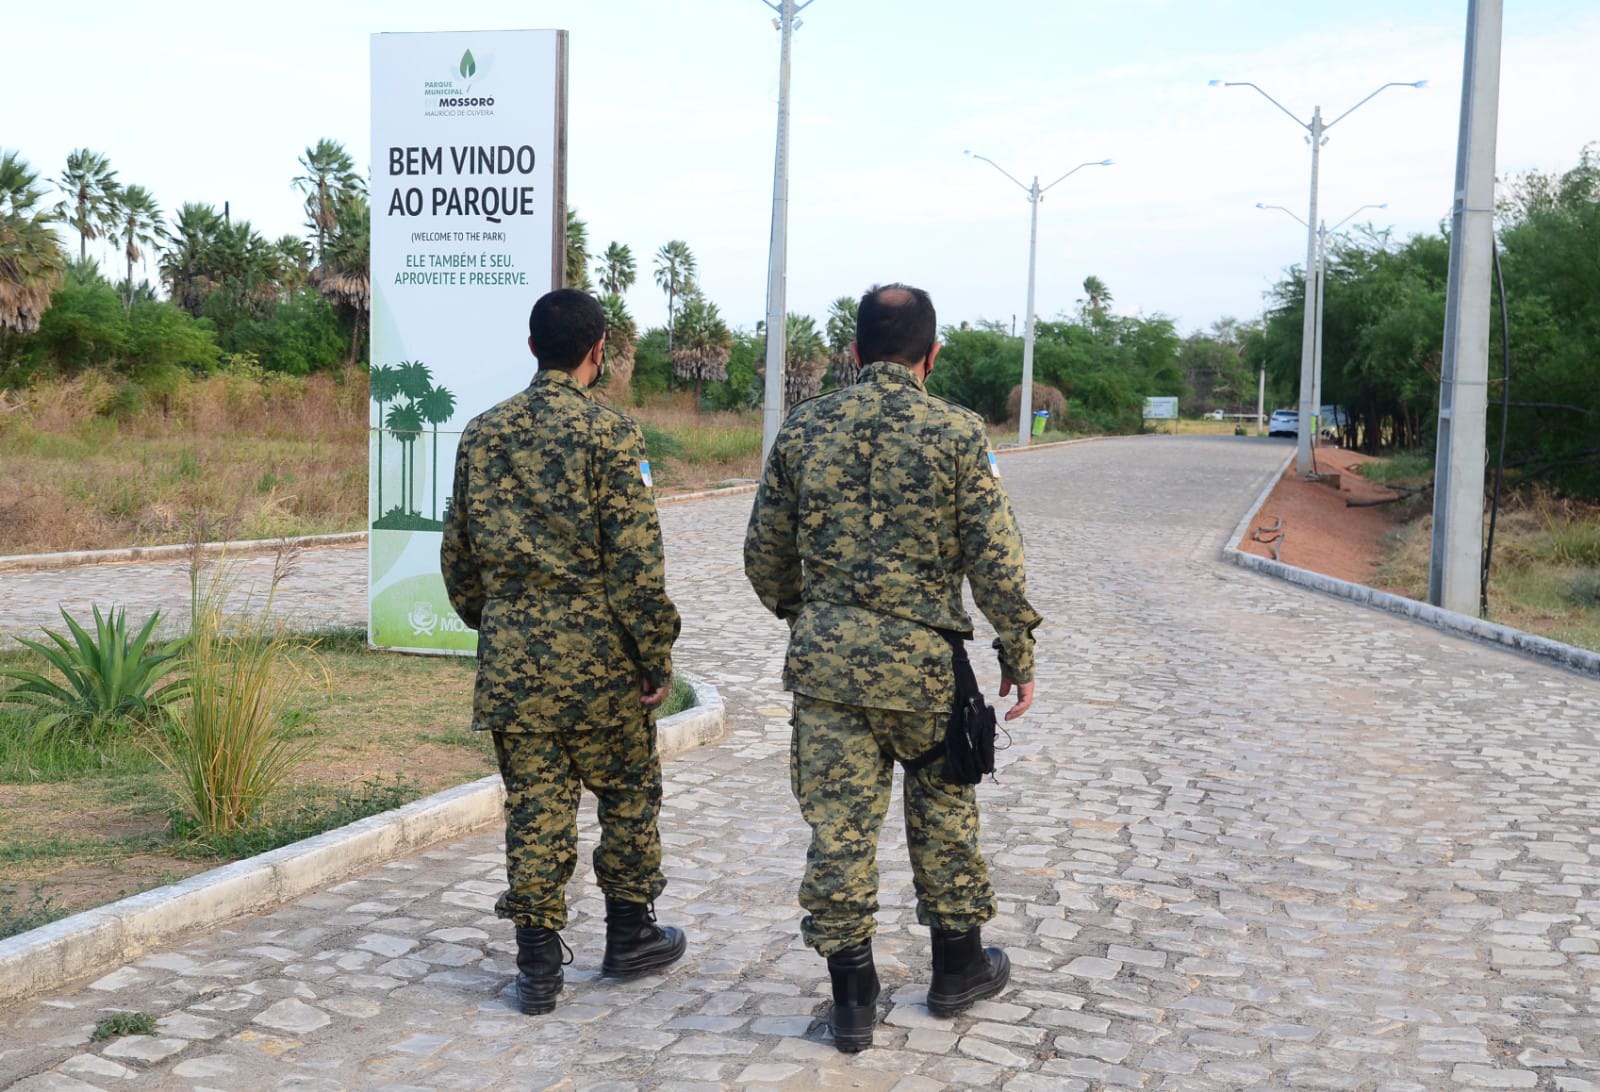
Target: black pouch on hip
968 747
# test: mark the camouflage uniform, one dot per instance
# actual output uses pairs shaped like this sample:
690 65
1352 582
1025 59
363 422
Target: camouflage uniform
874 504
552 552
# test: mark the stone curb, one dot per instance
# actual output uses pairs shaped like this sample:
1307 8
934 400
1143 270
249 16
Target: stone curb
110 935
1449 621
13 563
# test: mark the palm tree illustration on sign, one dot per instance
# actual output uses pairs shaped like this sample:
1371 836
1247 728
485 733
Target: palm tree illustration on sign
436 407
417 402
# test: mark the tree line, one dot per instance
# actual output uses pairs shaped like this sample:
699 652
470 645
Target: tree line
301 303
226 293
1383 322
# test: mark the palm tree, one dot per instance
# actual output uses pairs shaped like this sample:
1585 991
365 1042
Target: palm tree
436 407
344 276
1097 297
805 358
841 332
90 205
617 272
621 336
244 268
295 257
138 222
577 273
329 181
674 276
704 344
383 386
186 265
31 259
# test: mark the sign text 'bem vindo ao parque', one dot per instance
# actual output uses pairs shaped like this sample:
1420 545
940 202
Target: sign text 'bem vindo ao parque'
468 219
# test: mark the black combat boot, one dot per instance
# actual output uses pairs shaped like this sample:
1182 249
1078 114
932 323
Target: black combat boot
855 998
634 942
539 969
964 971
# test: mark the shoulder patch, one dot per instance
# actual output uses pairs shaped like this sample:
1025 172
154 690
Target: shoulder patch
644 472
994 464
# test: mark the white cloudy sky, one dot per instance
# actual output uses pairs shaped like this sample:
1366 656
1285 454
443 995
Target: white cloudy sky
673 113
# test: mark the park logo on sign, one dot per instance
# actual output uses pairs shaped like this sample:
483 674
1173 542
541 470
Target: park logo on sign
455 97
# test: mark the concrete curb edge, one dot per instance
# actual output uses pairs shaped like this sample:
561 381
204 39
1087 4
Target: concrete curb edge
79 945
17 563
1449 621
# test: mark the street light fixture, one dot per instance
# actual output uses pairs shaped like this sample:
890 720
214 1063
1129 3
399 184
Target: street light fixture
1323 231
1316 127
1035 194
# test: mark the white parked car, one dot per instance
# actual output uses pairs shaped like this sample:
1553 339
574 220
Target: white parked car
1284 422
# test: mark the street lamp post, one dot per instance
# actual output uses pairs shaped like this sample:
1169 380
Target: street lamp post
777 254
1322 233
1316 127
1035 194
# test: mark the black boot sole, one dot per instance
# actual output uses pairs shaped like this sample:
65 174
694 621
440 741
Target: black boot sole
853 1040
537 1004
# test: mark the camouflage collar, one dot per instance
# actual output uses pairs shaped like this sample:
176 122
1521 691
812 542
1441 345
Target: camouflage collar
891 370
555 377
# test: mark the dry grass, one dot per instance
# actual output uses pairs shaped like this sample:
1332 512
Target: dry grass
240 456
690 450
1545 571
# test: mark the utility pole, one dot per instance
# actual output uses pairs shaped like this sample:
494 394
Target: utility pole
777 255
1310 370
1035 194
1455 565
1310 381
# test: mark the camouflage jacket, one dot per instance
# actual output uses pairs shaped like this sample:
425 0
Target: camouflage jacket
552 552
875 502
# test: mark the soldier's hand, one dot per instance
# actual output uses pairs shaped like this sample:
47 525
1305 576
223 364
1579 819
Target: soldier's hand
1024 697
656 696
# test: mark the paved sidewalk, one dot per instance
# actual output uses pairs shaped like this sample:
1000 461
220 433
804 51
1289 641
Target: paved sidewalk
1251 837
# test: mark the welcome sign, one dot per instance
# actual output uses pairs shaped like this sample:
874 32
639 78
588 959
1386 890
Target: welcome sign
468 229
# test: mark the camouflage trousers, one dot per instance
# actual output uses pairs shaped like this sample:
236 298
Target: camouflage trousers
544 773
841 768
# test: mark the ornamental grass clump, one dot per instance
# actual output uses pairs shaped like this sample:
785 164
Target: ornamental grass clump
232 744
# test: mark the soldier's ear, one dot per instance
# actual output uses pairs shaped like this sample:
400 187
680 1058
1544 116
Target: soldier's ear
532 348
855 354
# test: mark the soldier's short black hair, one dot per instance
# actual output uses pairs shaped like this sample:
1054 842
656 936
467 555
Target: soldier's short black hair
564 325
895 322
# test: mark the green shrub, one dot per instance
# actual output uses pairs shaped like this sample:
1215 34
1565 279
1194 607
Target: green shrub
235 740
103 676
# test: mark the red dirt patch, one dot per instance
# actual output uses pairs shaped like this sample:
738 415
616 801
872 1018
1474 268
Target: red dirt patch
1320 532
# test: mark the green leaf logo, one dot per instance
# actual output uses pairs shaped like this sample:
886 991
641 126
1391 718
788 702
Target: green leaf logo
469 67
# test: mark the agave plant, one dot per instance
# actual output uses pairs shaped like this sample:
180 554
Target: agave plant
104 675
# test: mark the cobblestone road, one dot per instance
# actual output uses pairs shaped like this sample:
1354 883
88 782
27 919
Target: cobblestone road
1250 837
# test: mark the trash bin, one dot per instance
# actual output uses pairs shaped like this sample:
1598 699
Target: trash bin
1040 419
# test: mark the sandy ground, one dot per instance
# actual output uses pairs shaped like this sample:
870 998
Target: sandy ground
1320 532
